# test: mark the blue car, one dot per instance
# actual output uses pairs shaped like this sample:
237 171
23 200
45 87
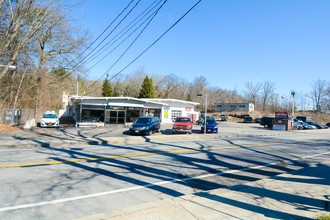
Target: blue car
211 126
145 125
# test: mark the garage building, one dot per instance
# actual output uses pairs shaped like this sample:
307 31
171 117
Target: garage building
125 110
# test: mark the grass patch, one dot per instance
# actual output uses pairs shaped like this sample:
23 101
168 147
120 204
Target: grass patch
323 217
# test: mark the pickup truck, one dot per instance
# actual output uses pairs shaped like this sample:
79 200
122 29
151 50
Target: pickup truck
223 117
267 122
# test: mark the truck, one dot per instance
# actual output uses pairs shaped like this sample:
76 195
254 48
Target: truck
267 122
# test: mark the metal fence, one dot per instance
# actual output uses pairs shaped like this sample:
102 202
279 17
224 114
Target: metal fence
16 116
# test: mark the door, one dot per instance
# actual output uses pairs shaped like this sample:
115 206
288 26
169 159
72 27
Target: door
116 117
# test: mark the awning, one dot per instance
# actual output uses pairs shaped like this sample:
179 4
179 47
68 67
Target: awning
125 105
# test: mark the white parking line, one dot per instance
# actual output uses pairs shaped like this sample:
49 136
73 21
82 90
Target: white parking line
38 204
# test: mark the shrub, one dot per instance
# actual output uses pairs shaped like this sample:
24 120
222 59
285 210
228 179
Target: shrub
323 217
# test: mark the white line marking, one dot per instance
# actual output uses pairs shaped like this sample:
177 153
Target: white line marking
31 205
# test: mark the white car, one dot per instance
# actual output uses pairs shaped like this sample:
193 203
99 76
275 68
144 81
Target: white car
50 119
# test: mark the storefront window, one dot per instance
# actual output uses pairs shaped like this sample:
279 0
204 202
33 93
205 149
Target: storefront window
175 113
132 115
92 113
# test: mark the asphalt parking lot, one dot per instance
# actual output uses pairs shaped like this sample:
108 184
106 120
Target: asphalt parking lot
70 135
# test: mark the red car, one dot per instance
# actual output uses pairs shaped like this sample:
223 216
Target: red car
182 125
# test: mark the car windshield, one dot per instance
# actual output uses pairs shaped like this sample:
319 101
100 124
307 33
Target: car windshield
143 120
50 116
182 120
210 121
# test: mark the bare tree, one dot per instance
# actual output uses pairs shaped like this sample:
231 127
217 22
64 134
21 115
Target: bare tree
252 92
268 89
200 84
170 84
133 83
327 99
318 93
37 36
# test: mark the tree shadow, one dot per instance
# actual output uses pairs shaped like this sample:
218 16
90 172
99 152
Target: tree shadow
209 163
267 212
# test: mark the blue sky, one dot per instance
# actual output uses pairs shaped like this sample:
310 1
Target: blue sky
230 42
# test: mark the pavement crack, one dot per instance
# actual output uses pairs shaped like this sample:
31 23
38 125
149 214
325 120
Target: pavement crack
194 216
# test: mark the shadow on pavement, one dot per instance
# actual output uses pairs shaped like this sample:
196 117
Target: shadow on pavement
136 168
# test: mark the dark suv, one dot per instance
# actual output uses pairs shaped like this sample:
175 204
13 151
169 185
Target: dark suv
145 125
267 122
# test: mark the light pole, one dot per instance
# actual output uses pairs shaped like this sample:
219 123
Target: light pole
200 94
292 115
282 105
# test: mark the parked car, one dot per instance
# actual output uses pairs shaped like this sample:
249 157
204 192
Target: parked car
297 125
145 125
182 125
200 119
223 117
308 126
211 126
328 124
257 120
248 119
267 122
304 118
317 125
50 119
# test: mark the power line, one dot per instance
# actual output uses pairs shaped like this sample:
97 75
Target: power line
121 34
130 11
152 17
148 18
105 29
161 36
75 67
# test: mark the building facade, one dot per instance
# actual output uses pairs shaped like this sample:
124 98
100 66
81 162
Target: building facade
125 110
234 107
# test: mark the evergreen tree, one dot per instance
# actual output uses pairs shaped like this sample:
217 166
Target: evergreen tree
147 89
106 88
189 97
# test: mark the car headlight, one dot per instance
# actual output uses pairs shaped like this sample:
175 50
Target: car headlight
145 127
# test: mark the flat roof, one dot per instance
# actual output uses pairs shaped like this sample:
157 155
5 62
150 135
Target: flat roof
90 98
172 100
